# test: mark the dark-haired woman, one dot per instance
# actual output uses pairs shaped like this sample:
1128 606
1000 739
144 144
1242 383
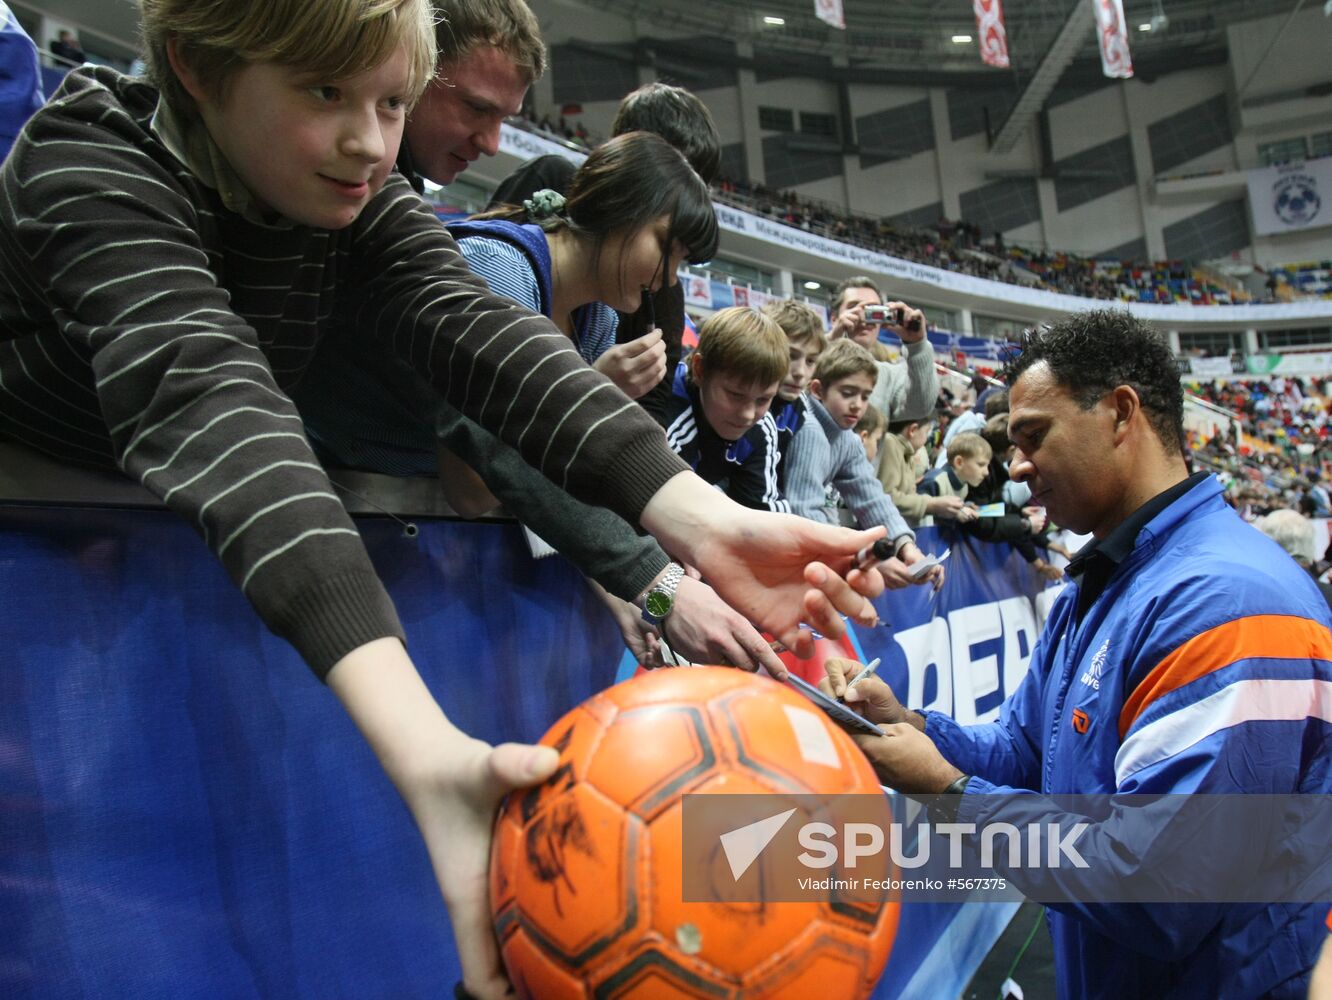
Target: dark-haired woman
634 212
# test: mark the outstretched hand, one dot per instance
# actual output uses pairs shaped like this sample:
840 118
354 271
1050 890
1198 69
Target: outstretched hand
703 628
910 554
780 570
450 782
457 822
777 570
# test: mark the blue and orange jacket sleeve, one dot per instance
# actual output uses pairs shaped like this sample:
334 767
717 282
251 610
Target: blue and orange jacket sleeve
1226 702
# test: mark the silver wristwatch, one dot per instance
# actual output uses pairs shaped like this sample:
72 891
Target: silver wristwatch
658 602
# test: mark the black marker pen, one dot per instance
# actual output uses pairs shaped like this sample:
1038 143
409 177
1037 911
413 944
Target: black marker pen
650 309
880 551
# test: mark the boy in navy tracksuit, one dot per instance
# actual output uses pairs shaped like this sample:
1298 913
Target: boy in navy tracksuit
718 419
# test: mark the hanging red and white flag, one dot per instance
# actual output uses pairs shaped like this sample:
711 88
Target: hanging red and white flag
830 12
1112 35
990 32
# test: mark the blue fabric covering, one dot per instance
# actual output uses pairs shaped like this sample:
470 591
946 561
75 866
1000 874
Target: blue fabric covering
184 810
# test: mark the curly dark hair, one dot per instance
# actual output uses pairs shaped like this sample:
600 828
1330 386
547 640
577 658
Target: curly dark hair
1092 353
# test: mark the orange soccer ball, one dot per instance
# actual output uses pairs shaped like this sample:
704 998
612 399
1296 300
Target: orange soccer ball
586 875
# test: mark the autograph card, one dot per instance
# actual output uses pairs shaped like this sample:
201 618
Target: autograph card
839 713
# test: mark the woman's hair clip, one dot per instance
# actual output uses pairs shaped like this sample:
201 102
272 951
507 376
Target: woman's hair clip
544 204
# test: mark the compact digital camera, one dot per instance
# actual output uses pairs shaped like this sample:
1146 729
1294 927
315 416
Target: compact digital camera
889 316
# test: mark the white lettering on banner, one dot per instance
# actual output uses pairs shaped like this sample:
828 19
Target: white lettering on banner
947 648
927 648
729 218
526 146
1020 633
968 628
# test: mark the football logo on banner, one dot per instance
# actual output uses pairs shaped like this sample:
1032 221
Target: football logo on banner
830 12
990 32
1289 197
1295 200
1112 36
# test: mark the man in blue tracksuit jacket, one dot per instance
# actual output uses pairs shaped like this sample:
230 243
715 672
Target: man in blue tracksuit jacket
1190 655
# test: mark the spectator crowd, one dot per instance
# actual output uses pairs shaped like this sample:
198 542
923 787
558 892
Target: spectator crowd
961 246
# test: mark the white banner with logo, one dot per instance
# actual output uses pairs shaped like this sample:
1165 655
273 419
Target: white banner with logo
1211 367
1290 198
873 262
698 291
525 145
1112 37
1311 363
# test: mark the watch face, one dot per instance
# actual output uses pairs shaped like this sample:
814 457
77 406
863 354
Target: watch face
658 605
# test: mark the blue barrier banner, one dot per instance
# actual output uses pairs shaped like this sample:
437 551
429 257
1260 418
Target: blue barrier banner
184 809
964 649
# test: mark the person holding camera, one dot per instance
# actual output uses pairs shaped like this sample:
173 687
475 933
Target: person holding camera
858 313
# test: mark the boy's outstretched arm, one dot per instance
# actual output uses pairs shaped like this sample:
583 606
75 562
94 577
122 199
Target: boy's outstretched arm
450 782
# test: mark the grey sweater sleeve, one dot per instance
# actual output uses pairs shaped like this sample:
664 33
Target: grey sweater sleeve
907 388
602 545
807 463
863 493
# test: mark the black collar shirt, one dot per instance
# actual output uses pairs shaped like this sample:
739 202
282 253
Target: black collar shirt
1097 561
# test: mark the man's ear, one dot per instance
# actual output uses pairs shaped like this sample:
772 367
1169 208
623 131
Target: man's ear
816 387
184 73
1124 399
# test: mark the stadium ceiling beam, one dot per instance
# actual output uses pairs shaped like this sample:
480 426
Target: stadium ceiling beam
1062 51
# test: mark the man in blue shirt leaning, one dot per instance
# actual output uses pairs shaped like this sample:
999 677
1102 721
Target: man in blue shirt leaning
1189 655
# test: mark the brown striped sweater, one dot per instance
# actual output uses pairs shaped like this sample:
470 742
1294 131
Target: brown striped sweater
144 325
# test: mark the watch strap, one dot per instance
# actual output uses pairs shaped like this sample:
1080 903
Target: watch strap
944 806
